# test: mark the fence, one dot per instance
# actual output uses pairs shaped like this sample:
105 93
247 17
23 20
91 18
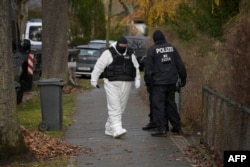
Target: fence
225 125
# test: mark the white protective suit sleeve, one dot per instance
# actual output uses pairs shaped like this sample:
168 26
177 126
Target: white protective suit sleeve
104 60
136 65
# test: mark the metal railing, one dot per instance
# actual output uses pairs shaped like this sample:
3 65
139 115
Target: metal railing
225 124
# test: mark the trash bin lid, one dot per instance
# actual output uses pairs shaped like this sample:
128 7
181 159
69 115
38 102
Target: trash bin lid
51 81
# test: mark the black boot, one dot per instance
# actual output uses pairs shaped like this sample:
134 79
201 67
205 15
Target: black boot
149 126
176 131
159 134
167 128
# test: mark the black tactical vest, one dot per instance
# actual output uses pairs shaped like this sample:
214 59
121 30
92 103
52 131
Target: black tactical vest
122 68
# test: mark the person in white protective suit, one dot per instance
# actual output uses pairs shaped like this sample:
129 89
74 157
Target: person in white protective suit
120 69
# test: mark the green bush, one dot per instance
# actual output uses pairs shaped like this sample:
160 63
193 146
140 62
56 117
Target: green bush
209 25
205 16
183 22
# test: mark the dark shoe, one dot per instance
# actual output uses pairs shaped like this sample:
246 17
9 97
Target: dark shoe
149 126
155 129
159 134
167 128
176 131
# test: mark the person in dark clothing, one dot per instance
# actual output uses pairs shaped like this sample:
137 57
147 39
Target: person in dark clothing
151 125
163 67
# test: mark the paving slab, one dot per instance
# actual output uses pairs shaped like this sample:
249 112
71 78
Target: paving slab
136 149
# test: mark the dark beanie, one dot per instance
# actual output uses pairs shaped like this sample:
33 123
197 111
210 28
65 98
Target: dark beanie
122 40
158 36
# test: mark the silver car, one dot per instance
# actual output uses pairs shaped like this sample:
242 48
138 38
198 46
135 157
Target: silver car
100 42
87 58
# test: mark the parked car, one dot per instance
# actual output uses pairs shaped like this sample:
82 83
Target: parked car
100 42
87 58
138 43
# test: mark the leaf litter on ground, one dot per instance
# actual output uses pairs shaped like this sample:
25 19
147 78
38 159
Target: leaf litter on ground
44 146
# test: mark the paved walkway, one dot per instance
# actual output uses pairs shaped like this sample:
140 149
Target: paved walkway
136 149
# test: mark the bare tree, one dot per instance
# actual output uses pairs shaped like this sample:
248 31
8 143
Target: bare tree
129 6
11 140
54 39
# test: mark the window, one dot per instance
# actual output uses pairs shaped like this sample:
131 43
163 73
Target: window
90 52
35 33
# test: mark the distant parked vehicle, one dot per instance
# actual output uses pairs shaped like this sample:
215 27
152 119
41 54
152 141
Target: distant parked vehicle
26 59
138 43
100 42
87 58
33 32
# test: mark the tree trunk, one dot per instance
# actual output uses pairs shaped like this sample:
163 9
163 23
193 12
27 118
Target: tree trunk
54 39
22 14
11 139
108 23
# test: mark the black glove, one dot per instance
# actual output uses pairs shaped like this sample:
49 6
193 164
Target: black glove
178 88
183 83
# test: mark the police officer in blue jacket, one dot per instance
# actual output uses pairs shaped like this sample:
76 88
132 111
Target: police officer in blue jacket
164 66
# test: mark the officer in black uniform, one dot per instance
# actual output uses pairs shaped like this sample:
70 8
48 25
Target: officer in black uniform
151 125
164 65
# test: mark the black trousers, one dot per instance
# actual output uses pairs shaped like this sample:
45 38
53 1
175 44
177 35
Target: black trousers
164 107
150 92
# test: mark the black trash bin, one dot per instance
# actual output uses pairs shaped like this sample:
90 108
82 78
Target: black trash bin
51 104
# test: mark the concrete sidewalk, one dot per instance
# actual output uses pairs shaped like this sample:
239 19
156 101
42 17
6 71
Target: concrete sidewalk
136 149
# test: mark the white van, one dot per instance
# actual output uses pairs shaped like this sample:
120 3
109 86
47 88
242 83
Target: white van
33 32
